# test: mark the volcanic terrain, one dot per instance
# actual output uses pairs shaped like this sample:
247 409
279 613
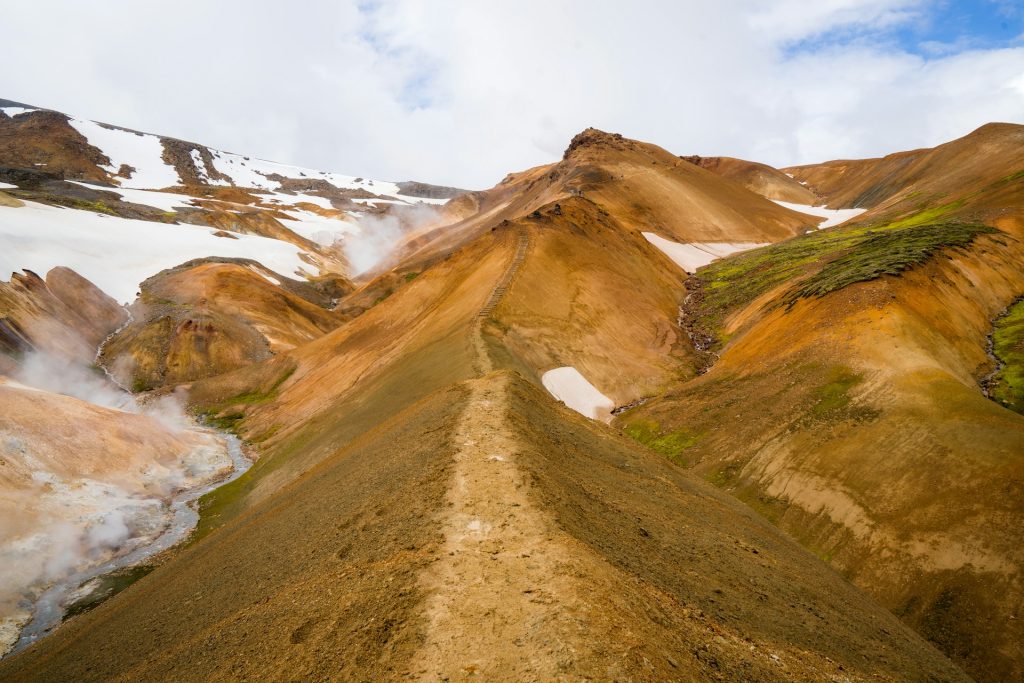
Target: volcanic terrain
627 416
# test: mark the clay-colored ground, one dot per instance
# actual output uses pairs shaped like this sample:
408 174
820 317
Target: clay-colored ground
207 318
379 560
422 508
64 314
857 424
764 180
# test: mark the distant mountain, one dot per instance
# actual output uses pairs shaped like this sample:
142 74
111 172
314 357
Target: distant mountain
315 217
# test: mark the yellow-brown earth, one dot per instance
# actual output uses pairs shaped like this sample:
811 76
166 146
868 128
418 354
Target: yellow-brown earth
415 481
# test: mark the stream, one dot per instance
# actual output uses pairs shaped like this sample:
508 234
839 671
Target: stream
50 608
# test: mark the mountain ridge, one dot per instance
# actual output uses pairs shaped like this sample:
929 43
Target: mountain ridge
416 477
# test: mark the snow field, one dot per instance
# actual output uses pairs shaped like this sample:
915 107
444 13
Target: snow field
833 216
117 254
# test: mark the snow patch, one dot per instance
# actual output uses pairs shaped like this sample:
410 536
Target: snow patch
420 200
252 172
571 388
833 216
201 173
15 111
294 199
324 231
694 255
165 201
8 186
271 280
141 151
116 254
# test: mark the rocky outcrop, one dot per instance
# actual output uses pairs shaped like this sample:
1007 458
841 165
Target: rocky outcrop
45 140
64 314
412 188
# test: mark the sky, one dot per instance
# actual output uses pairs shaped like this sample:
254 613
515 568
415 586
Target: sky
461 93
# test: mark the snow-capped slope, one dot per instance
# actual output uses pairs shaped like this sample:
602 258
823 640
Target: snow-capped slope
141 151
118 253
166 201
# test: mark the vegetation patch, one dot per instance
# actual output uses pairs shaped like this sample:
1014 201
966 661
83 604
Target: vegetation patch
1007 385
107 586
824 261
227 414
83 205
834 394
671 444
885 254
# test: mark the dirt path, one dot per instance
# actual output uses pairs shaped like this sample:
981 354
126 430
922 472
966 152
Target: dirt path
482 361
505 597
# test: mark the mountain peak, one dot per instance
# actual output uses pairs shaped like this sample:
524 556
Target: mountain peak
592 137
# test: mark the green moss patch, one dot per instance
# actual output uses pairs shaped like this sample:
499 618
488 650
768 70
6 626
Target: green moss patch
888 253
227 414
671 444
834 395
1007 385
825 261
107 587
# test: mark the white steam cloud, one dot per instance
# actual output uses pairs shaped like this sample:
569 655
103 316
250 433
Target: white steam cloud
61 375
378 235
62 512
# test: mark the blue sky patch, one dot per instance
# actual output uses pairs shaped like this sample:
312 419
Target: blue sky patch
935 29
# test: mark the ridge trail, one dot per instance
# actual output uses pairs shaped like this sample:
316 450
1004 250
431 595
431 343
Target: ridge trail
482 361
505 599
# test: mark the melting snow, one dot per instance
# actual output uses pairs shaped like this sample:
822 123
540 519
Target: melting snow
165 201
8 186
271 280
571 388
694 255
141 151
14 111
375 201
293 199
116 254
201 172
833 216
422 200
253 173
319 229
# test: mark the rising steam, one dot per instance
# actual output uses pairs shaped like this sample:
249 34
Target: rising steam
379 235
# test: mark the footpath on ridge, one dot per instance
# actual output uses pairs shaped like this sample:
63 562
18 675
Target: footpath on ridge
505 598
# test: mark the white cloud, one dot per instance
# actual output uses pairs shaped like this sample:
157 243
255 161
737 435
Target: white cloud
464 92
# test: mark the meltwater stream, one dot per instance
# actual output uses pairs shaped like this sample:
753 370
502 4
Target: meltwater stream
50 607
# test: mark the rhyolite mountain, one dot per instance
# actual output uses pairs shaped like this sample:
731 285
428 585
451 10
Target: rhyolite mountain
629 415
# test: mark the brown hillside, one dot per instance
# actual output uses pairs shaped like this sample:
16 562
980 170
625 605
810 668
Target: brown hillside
65 315
807 482
760 178
390 518
644 187
856 423
979 169
207 318
44 139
